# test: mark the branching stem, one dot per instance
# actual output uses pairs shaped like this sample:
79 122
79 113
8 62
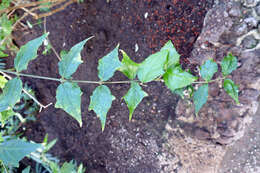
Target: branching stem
211 81
92 82
64 80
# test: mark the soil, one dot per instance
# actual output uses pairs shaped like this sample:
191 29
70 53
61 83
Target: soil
123 146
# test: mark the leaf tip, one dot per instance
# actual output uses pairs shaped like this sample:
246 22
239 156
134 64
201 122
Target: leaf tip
80 124
46 34
102 127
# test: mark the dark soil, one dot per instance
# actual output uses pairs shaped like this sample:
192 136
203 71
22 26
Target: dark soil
124 146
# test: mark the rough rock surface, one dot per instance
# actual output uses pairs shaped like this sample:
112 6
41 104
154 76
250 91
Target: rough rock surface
222 120
200 141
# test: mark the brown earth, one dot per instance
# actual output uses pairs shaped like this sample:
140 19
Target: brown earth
124 146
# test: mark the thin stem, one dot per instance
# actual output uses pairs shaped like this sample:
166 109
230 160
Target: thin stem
36 101
28 5
31 76
64 80
19 116
49 42
25 9
204 82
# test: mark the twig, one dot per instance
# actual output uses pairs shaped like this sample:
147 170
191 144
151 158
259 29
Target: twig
28 5
55 10
26 10
53 49
204 82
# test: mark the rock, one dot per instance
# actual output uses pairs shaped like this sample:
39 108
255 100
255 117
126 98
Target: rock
216 23
257 10
240 29
235 11
201 134
251 22
250 3
258 28
249 42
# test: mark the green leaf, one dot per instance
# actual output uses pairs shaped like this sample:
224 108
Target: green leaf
228 64
5 115
68 96
2 54
3 81
54 167
108 65
81 169
4 4
68 168
14 150
179 92
26 170
63 53
28 52
129 67
200 97
173 56
1 137
50 145
153 66
6 26
100 102
208 69
133 97
232 89
11 93
71 60
176 78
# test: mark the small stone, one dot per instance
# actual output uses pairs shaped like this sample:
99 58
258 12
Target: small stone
145 15
235 12
241 29
259 28
249 42
250 3
251 22
257 10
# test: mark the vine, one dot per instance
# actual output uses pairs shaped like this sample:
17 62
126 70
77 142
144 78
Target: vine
162 66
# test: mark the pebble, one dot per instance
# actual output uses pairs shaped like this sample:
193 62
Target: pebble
235 12
249 42
136 47
250 3
145 15
251 22
259 27
241 29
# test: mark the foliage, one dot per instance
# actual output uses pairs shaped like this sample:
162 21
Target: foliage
6 25
14 103
69 98
100 103
160 66
13 150
133 97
